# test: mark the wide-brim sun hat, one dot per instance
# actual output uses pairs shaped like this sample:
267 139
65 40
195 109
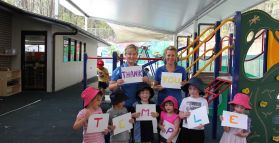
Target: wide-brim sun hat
144 86
89 94
172 99
241 99
117 96
195 82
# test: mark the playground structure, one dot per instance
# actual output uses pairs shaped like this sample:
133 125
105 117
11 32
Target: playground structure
263 91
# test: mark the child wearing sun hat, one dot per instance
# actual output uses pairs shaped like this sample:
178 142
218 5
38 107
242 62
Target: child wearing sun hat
240 103
91 102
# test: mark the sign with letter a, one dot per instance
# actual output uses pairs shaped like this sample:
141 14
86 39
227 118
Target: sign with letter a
145 111
97 123
171 80
235 120
132 74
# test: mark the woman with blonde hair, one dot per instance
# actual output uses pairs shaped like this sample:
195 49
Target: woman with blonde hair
170 60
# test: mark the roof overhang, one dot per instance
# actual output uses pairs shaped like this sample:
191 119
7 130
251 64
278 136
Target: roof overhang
68 26
163 16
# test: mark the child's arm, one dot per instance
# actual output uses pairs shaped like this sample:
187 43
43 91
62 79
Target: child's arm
114 84
242 134
226 129
82 120
175 132
161 126
146 80
184 115
154 114
136 114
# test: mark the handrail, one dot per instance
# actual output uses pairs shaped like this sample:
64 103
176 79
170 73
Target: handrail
209 36
197 39
193 63
251 59
211 60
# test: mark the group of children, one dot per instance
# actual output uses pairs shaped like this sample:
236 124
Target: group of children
169 111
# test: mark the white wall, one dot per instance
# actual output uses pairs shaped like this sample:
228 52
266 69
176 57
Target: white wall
69 73
66 74
22 23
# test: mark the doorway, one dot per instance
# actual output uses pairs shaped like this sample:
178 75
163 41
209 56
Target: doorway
33 60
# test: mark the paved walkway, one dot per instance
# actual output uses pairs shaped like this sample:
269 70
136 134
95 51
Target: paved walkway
38 117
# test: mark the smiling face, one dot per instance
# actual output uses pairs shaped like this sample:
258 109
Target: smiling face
144 95
193 91
170 57
131 55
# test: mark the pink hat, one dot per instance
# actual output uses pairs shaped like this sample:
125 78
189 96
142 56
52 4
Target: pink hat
88 94
241 99
172 99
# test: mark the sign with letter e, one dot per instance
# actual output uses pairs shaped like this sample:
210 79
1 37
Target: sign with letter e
235 120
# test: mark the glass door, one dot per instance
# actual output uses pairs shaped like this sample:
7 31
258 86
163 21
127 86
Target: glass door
34 60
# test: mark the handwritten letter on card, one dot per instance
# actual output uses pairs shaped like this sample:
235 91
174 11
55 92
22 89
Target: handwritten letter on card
232 119
97 123
122 123
198 117
145 111
132 74
171 80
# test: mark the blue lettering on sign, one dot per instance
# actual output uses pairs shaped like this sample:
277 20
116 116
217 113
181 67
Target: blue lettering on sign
196 121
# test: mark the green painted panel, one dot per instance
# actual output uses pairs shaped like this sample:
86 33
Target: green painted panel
263 91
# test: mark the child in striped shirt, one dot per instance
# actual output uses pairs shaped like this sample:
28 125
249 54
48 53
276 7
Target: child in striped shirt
92 99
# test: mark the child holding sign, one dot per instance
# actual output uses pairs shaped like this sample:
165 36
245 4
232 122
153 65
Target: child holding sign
143 129
117 98
240 103
169 113
194 101
130 89
92 99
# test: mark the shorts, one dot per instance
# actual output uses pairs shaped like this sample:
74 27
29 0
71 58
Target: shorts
102 85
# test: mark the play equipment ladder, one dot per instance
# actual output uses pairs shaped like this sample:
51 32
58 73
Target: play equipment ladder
217 87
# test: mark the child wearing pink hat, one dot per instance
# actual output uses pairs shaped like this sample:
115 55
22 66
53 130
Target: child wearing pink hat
240 103
92 100
169 113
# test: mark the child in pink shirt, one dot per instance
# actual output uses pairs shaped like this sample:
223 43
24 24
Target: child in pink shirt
92 99
169 113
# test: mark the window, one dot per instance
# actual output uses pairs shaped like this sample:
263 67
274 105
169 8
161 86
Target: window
66 45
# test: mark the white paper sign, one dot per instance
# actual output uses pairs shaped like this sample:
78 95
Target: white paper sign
232 119
132 74
171 80
145 111
169 130
122 123
197 117
97 123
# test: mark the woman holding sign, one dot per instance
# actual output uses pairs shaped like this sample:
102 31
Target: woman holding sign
128 76
169 77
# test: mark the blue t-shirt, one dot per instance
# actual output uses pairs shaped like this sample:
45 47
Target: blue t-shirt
130 89
169 91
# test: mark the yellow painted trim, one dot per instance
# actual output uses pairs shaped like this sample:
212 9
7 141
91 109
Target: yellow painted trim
206 39
211 60
192 64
